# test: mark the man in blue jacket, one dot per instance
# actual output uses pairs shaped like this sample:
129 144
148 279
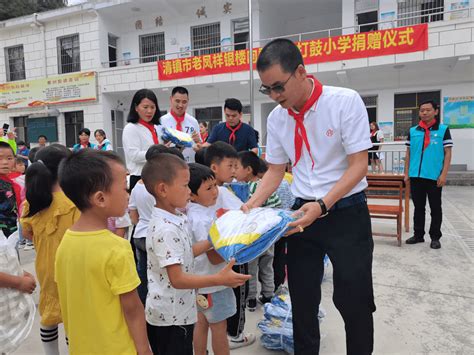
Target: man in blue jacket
428 157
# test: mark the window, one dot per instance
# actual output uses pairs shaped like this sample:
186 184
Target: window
152 47
211 115
69 59
412 12
371 106
204 37
15 63
112 50
406 110
366 12
240 29
21 128
74 123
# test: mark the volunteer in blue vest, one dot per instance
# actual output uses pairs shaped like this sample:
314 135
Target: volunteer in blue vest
178 119
428 157
324 131
233 131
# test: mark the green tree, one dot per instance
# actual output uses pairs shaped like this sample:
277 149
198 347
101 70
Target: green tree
16 8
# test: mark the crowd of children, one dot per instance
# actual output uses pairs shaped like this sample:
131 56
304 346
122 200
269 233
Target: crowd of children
166 297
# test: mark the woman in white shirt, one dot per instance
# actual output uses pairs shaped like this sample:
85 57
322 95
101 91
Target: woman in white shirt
141 132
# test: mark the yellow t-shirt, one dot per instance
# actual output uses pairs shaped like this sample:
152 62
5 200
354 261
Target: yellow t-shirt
92 270
48 227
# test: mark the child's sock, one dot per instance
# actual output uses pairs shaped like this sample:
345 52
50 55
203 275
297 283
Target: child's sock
49 339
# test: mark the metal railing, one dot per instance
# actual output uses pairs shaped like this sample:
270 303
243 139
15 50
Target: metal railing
414 16
389 158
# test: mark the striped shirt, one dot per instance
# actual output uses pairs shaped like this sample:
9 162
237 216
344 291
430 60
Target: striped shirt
273 200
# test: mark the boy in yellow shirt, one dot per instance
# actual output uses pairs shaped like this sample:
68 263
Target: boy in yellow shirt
95 270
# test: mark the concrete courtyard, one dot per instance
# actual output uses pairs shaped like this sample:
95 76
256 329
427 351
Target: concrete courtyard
424 297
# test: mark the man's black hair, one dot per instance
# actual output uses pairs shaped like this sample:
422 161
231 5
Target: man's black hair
280 51
218 151
84 173
42 136
86 131
432 102
162 168
249 158
180 90
137 98
199 173
233 104
5 145
156 149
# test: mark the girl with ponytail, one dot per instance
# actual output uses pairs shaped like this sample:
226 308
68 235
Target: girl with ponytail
47 214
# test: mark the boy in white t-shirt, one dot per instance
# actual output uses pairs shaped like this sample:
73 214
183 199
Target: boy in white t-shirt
219 302
171 300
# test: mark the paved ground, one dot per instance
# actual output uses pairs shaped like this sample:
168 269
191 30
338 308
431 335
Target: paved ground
424 297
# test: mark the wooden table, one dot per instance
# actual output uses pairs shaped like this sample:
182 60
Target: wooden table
396 177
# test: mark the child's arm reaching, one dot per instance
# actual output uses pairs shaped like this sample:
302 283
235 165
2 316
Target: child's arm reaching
225 277
25 283
135 317
134 216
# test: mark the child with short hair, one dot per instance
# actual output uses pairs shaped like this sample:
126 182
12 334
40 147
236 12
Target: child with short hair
10 191
47 214
248 167
201 214
109 318
171 301
222 159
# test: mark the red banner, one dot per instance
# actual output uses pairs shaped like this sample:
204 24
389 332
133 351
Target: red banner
360 45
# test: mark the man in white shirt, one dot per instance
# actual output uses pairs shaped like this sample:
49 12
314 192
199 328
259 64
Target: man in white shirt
324 131
178 119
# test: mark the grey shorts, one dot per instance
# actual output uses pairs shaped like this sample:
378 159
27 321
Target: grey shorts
223 306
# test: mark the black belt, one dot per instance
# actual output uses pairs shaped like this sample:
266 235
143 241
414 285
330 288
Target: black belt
345 202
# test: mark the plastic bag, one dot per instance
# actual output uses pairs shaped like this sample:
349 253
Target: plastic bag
17 309
240 189
176 137
246 236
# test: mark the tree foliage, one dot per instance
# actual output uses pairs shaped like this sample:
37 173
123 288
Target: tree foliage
16 8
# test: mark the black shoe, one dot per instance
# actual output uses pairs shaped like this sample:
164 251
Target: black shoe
414 240
435 244
262 299
252 305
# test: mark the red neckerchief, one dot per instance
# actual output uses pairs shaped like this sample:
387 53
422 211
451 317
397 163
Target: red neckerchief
232 136
300 130
373 133
179 121
426 127
84 146
16 190
151 128
204 136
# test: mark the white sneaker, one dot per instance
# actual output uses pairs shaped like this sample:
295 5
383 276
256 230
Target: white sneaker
241 341
29 247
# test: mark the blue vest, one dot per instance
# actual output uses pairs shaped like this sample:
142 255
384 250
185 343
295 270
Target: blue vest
426 164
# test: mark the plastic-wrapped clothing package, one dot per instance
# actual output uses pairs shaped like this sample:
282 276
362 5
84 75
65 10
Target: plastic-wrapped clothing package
240 189
17 309
246 236
176 137
277 327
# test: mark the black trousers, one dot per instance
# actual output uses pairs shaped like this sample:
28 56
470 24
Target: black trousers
420 189
279 263
171 340
346 236
133 181
236 323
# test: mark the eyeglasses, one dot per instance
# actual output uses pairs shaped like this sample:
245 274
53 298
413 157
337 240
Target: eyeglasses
278 89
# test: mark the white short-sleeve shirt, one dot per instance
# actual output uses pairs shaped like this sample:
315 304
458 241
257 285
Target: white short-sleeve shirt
337 125
168 242
136 140
190 125
144 203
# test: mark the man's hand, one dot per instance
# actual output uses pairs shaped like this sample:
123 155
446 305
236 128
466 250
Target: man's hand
27 283
196 138
441 180
11 135
230 278
310 211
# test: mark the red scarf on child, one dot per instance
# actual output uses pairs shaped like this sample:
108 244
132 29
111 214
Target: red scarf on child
232 136
16 189
151 127
300 130
426 127
179 121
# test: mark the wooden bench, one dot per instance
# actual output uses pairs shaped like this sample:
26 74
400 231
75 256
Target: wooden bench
386 190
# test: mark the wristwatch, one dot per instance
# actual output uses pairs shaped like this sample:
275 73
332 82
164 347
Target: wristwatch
324 210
